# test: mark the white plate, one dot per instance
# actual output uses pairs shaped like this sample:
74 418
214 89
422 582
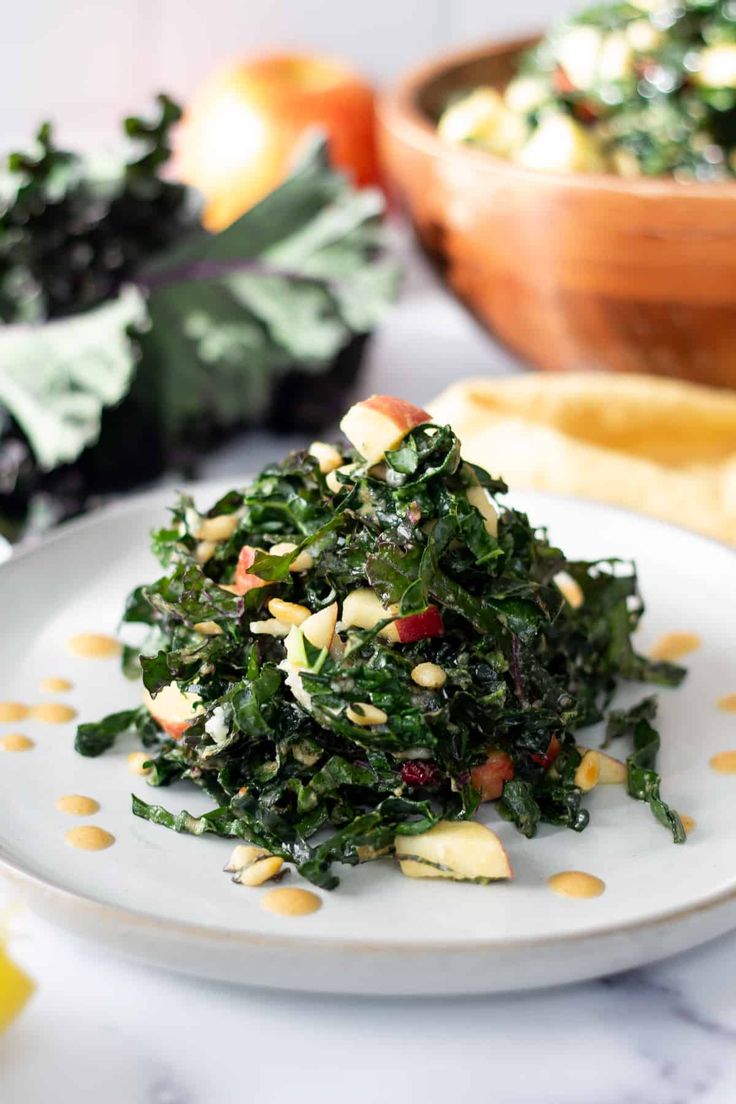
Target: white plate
163 897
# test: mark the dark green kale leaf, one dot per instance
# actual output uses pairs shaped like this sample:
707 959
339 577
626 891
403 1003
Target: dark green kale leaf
643 779
99 736
281 748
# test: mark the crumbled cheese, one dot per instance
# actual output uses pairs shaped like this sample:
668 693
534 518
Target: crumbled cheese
217 726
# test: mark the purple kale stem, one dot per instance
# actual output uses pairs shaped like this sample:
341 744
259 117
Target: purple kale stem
516 667
213 270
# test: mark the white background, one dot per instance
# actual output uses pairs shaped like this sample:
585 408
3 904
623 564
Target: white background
85 63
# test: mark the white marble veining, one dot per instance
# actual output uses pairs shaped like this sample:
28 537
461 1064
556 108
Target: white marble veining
103 1031
112 1032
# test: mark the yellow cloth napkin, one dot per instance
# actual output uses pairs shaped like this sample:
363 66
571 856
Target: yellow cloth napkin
664 447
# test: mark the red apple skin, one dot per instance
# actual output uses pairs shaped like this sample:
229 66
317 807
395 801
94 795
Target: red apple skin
244 580
489 777
403 414
546 760
173 728
420 626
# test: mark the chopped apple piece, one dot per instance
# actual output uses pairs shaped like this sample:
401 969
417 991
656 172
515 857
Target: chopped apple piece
333 483
560 144
717 68
479 497
489 777
363 609
525 94
326 456
578 52
244 579
319 628
611 772
588 773
462 850
419 626
173 708
379 423
483 117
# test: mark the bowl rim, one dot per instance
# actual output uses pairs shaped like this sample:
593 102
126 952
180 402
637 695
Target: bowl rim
399 113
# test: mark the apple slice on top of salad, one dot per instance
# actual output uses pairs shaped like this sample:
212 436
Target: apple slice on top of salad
356 650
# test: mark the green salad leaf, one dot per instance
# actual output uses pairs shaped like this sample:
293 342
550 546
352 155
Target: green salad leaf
289 283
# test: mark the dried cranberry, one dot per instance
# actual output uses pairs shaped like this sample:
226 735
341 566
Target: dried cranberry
585 112
419 772
546 760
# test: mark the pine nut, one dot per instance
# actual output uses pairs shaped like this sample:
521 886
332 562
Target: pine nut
429 675
204 551
289 612
368 715
218 528
207 628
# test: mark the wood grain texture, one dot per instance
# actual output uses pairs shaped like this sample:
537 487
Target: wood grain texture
572 271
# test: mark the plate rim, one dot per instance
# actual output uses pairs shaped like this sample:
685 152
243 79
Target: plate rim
17 873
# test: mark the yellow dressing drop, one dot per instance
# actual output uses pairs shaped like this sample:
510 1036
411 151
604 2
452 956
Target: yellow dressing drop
727 704
94 646
13 711
16 741
673 645
53 713
724 762
55 685
575 883
137 761
77 805
291 902
88 837
688 823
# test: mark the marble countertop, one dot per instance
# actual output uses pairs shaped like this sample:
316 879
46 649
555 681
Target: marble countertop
110 1032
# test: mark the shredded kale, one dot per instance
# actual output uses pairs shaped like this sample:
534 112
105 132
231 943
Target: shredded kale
277 747
643 779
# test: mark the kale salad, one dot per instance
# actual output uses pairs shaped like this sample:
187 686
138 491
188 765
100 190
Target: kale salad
354 651
636 88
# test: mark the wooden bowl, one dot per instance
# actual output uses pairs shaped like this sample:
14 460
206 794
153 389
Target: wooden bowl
572 271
